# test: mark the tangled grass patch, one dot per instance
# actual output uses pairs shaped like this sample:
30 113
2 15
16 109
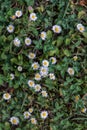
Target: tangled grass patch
43 65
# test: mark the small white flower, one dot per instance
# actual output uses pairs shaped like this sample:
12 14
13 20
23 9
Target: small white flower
18 13
44 114
80 27
33 17
31 83
6 96
28 41
33 120
14 120
37 76
45 63
30 110
52 76
53 60
31 55
44 93
70 71
44 71
57 29
26 114
11 76
19 68
17 42
35 66
43 35
37 87
10 28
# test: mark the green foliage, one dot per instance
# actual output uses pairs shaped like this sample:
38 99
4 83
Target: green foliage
66 95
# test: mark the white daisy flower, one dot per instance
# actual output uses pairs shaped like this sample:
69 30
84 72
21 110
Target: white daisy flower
53 60
27 115
52 76
31 83
45 63
44 114
33 120
14 120
28 41
19 68
37 87
31 55
17 42
33 17
44 93
44 71
70 71
18 13
43 35
6 96
35 66
10 28
12 76
30 110
37 76
80 27
57 29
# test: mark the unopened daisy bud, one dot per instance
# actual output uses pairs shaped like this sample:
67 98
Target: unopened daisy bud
75 58
80 27
30 9
44 93
30 110
33 121
28 41
83 110
14 120
57 29
33 17
10 28
6 96
12 76
43 35
52 76
13 17
18 13
70 71
53 60
17 42
19 68
27 115
77 98
44 114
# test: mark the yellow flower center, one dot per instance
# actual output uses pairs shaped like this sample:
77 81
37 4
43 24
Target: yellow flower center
37 76
10 27
35 66
7 95
56 29
33 16
14 121
42 35
44 114
18 13
31 83
45 63
81 29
